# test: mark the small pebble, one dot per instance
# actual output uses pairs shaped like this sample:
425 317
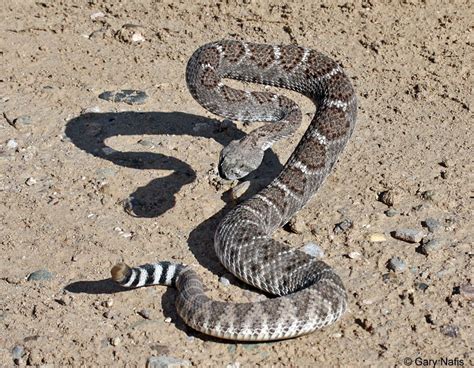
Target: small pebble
12 144
431 224
377 237
314 250
467 291
388 197
22 120
115 341
40 275
30 181
396 264
450 330
343 226
137 37
17 353
146 143
145 313
233 365
355 255
224 281
108 303
97 15
409 235
91 110
164 361
422 286
108 314
428 195
391 212
129 96
431 246
446 162
444 174
168 319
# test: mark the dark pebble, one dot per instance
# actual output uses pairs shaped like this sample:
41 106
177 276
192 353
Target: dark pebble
396 264
391 212
408 235
343 226
129 96
428 195
431 224
450 330
40 275
145 313
422 286
431 246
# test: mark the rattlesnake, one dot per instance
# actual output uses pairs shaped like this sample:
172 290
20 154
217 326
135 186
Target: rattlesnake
309 293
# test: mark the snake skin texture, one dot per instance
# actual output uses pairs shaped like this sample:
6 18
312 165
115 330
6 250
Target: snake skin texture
308 293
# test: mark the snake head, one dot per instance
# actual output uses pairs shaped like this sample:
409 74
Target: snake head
238 159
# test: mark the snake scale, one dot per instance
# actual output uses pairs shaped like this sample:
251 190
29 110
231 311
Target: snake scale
308 293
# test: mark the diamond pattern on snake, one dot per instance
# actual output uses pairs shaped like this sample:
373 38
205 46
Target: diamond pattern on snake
308 293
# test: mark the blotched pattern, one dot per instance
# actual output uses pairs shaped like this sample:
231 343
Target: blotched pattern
310 295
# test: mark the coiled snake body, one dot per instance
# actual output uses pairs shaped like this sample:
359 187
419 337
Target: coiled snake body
309 294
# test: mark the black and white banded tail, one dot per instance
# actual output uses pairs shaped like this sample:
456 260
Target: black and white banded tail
161 273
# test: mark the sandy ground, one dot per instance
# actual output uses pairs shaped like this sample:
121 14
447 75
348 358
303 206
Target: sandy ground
65 176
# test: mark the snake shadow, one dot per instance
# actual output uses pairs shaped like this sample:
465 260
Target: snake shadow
90 132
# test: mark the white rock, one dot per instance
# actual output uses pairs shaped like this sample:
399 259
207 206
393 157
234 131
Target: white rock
313 250
30 181
354 255
138 37
97 15
12 144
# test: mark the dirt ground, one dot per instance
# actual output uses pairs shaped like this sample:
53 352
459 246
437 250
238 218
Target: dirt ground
85 183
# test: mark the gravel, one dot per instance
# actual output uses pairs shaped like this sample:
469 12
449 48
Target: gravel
391 212
313 249
224 281
430 247
396 264
388 197
22 120
164 361
30 181
115 341
145 313
343 226
12 144
129 96
431 224
409 235
40 275
377 237
450 330
17 353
